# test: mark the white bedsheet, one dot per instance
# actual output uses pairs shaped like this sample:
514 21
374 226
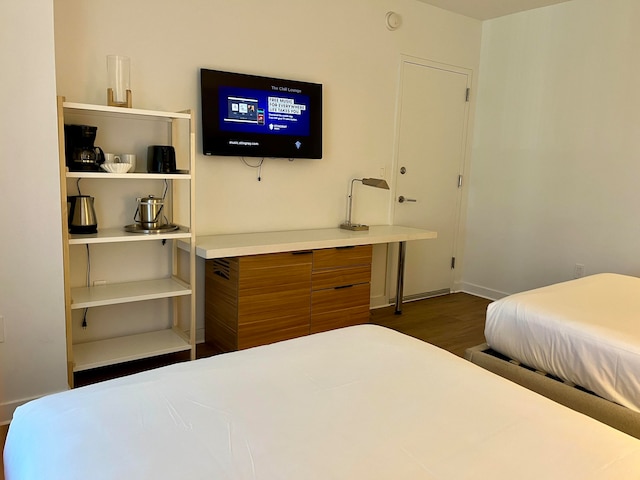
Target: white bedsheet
360 403
585 331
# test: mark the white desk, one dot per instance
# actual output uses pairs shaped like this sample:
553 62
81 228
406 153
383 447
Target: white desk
240 244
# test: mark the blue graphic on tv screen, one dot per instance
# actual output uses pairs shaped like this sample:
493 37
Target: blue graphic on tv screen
262 111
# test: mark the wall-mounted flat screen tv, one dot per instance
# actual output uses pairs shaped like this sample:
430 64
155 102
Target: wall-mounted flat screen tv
252 116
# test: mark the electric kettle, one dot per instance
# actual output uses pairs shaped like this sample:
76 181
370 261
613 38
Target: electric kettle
82 216
149 213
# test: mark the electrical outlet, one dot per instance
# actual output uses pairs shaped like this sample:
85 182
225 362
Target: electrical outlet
578 271
1 329
98 283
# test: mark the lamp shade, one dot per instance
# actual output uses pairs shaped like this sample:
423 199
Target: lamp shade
375 182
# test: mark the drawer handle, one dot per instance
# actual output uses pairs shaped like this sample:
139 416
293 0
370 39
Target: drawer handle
342 286
345 247
302 252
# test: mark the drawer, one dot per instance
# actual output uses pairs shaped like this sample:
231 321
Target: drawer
323 301
341 257
274 279
274 272
252 308
273 330
339 307
339 319
269 260
340 277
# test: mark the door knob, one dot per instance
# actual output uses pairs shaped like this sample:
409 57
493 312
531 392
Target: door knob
403 199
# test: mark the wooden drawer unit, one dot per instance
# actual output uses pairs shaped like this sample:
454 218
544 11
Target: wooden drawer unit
257 299
340 287
260 299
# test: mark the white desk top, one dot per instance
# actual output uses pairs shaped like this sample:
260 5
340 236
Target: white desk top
238 244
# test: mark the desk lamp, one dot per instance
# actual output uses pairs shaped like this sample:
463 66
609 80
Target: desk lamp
370 182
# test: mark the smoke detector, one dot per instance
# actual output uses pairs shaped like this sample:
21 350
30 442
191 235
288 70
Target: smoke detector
393 20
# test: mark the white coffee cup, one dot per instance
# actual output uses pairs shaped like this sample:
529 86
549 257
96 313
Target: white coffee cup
111 158
129 158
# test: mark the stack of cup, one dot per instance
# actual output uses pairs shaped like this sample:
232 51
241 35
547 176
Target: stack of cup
129 158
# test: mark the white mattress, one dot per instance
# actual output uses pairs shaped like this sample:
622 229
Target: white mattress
585 331
363 402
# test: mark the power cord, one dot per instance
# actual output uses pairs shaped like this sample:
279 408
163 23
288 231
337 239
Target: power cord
258 166
86 310
164 195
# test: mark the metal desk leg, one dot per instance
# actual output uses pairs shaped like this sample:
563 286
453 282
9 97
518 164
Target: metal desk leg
402 248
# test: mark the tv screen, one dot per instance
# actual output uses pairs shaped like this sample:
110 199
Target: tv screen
251 116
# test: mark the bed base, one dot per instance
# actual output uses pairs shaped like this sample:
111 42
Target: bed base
574 397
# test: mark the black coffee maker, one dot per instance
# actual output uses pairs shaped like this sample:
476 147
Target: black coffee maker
81 155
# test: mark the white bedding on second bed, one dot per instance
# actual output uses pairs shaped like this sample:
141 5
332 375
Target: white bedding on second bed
585 331
358 403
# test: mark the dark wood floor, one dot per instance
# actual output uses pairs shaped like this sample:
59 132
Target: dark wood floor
454 322
3 437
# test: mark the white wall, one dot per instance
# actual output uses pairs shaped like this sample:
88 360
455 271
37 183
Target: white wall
33 354
555 164
344 45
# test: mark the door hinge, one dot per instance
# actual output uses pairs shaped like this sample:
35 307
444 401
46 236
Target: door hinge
467 95
453 263
459 181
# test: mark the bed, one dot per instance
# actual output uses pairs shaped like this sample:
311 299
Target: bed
584 333
361 402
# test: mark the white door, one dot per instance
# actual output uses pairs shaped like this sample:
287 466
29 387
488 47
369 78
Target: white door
433 112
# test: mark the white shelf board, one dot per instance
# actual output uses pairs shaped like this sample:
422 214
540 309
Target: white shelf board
122 111
113 235
130 176
112 294
125 349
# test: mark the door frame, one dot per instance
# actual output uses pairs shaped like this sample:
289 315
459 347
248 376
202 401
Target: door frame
462 200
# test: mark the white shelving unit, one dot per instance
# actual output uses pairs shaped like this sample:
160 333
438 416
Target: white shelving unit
174 285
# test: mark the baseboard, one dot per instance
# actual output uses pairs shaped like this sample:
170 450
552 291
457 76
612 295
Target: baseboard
475 290
7 409
483 292
379 301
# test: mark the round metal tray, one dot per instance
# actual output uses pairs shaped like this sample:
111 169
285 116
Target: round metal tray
137 228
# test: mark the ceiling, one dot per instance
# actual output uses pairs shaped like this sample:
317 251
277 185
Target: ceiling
487 9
